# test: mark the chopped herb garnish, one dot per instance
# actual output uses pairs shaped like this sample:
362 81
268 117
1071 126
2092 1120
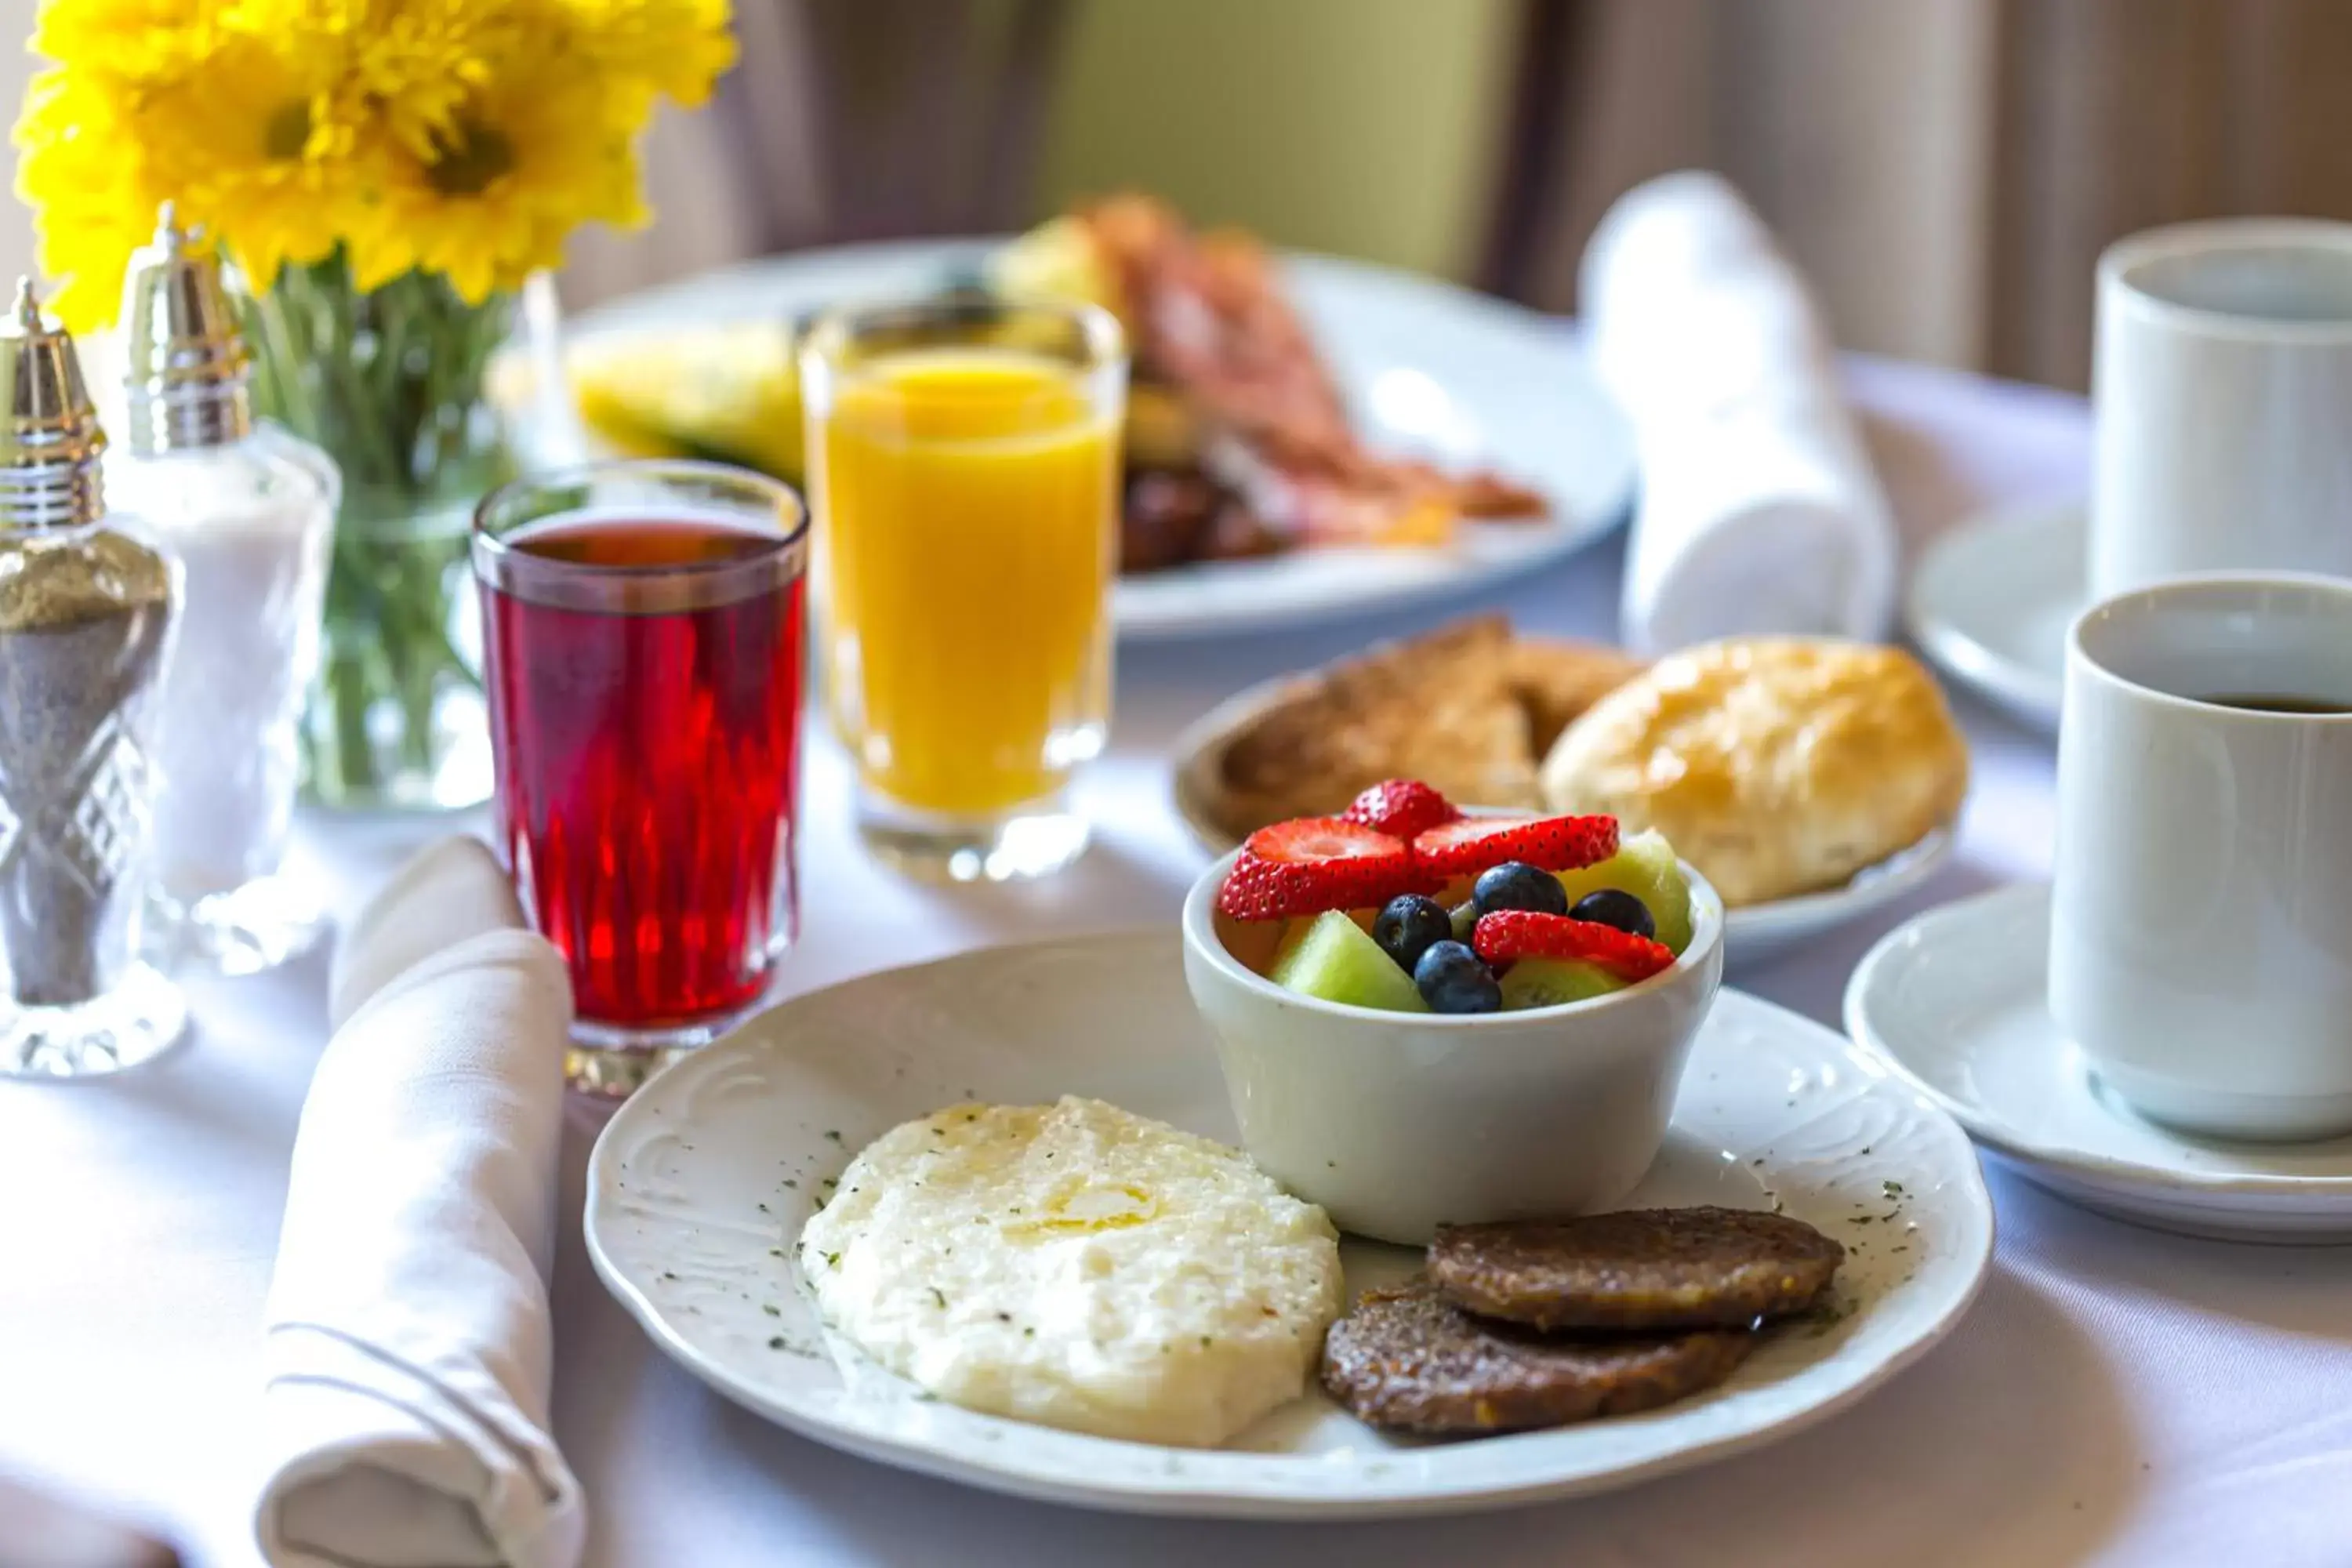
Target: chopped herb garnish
1003 1317
1204 1341
668 1275
832 1133
832 1260
790 1183
763 1208
1893 1189
938 1297
776 1343
771 1308
1029 1333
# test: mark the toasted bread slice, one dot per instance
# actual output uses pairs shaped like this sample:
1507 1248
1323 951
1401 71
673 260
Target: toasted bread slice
1438 708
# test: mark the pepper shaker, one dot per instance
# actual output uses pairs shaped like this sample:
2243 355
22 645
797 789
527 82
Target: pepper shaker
248 509
86 620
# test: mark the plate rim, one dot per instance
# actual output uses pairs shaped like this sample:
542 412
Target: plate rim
1973 1265
2132 1175
1450 579
1197 746
2022 689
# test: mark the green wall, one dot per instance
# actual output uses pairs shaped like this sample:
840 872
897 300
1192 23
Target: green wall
1362 127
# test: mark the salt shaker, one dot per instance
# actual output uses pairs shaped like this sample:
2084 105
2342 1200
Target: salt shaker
86 614
248 510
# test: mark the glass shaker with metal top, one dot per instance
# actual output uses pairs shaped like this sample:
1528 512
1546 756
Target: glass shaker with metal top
86 614
248 510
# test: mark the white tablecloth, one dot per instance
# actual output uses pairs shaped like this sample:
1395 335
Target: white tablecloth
2116 1397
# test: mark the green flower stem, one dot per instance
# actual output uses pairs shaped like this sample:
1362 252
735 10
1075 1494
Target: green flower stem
390 383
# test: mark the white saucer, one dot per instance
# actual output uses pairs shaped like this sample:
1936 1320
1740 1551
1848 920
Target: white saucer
1991 600
1954 1002
701 1180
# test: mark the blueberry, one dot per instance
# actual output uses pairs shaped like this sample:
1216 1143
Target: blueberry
1516 885
1614 907
1452 979
1406 927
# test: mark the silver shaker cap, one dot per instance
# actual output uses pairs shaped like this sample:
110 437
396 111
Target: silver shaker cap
189 364
51 442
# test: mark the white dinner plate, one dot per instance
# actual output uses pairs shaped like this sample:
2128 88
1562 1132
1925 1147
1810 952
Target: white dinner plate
1991 599
1955 1002
1428 370
1753 934
701 1182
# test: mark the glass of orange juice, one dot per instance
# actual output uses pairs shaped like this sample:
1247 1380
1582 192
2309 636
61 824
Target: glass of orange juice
964 465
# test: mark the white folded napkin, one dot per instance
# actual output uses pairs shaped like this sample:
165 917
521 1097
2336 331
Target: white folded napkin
409 1342
1759 512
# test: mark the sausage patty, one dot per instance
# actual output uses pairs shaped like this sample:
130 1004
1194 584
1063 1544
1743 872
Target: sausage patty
1408 1359
1643 1268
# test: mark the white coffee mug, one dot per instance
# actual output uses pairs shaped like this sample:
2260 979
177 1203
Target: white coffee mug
2200 943
2222 380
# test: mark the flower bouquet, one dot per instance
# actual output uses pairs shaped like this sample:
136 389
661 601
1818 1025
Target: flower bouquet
387 175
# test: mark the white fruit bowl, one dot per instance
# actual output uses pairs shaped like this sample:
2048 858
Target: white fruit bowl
1397 1122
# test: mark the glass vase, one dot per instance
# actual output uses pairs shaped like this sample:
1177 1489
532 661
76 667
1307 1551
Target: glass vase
393 383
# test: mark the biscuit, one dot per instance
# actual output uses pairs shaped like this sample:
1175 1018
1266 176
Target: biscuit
1775 766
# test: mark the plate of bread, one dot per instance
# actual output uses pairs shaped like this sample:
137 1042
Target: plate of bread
1810 780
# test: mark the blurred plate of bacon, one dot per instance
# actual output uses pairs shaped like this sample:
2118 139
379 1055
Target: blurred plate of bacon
1240 443
1307 438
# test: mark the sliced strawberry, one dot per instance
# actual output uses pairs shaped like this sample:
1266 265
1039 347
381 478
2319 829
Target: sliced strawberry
1508 934
1403 807
1314 864
1553 842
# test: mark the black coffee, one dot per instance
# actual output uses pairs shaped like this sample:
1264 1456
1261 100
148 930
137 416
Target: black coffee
2278 702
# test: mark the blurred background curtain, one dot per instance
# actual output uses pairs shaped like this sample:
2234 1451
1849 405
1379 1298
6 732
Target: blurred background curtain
1945 171
845 121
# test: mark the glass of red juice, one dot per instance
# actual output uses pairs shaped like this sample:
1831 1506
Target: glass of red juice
643 646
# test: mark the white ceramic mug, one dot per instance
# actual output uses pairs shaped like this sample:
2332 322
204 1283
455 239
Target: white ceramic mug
2200 945
2222 380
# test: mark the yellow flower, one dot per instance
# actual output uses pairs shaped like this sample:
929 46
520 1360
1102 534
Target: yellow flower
131 41
674 48
543 140
262 148
462 137
93 206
